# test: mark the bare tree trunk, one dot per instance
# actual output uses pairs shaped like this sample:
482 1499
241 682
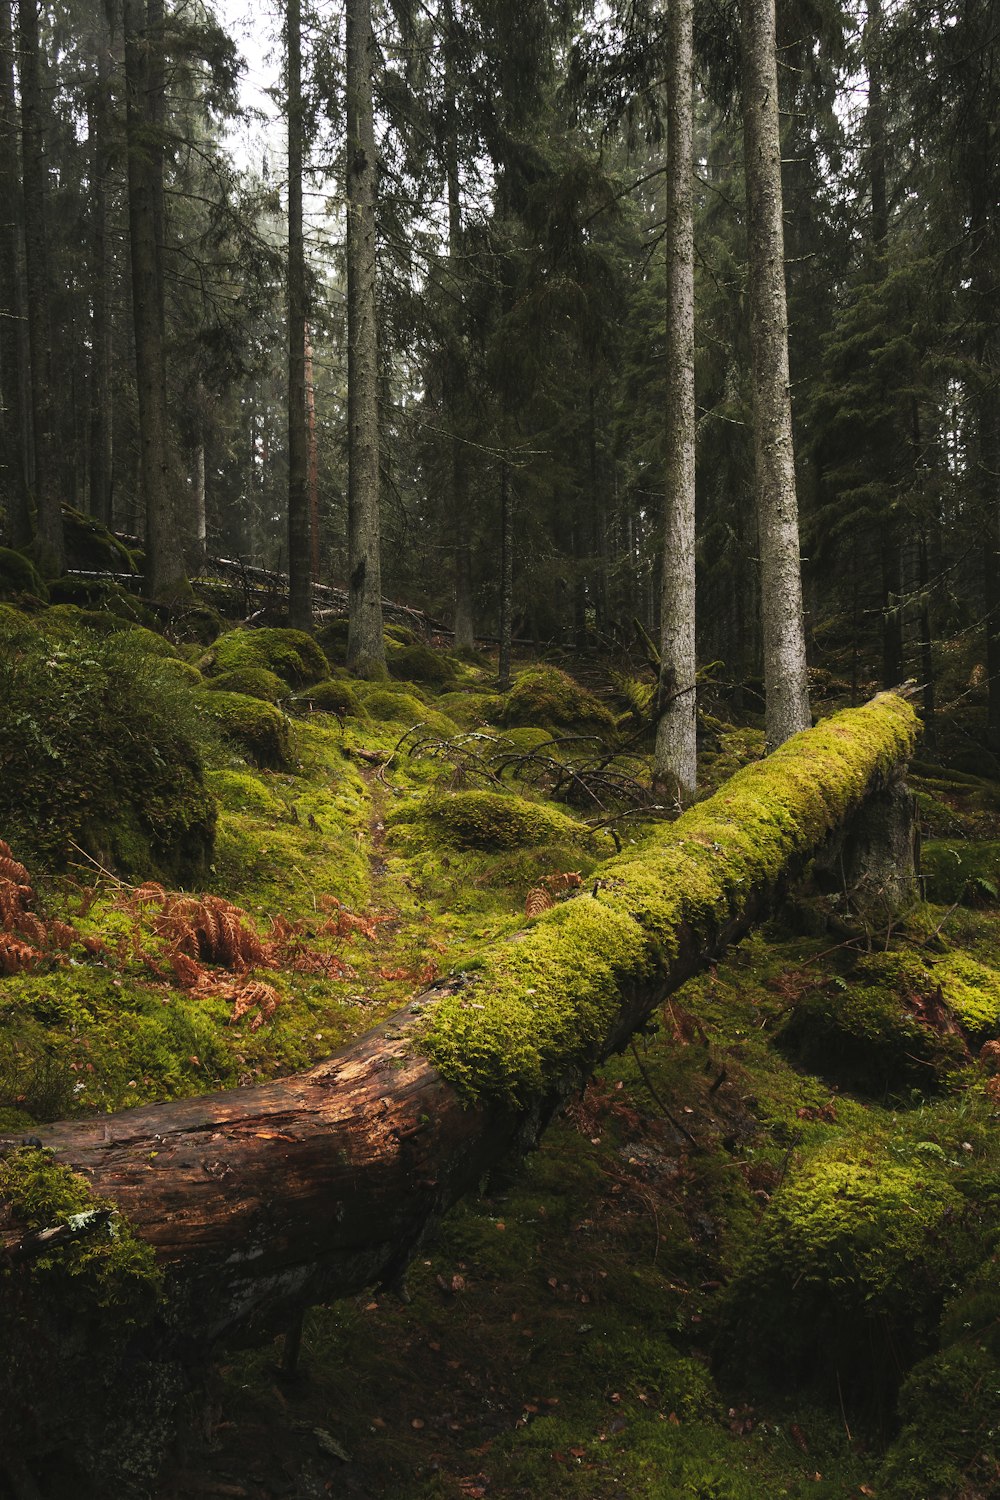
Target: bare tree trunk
48 510
13 478
365 642
299 561
506 575
464 621
312 465
785 680
165 577
101 425
675 765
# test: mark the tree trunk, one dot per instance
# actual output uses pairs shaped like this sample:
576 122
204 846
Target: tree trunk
101 425
48 510
675 765
299 560
365 642
165 578
785 680
506 575
312 464
13 479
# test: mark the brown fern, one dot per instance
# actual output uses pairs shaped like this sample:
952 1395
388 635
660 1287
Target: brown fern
567 880
538 900
16 956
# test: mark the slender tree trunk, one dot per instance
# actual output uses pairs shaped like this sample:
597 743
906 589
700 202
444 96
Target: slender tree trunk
165 578
101 424
48 510
464 622
674 766
785 680
365 643
13 479
312 465
299 561
506 575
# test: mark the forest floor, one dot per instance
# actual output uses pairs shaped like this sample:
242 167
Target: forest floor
754 1258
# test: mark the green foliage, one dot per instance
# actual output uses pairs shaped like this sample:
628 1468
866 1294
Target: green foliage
290 654
545 696
18 575
258 728
101 748
956 870
252 682
948 1445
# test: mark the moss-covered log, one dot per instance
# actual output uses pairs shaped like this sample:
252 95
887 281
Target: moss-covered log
259 1200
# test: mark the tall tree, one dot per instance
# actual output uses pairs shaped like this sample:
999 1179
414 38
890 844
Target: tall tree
45 486
365 642
99 132
675 763
299 560
165 577
13 480
785 681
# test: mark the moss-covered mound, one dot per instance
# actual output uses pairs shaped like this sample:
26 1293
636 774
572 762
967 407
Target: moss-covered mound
545 696
848 1273
333 697
91 546
290 654
252 682
99 750
418 663
496 821
258 728
392 705
18 575
102 595
883 1028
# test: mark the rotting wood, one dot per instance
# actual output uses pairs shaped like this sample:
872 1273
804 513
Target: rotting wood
260 1200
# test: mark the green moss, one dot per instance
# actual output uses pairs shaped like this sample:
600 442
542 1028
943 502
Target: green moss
419 663
540 1003
252 682
334 697
972 990
948 1445
240 791
290 654
18 575
496 820
91 547
393 706
258 728
546 696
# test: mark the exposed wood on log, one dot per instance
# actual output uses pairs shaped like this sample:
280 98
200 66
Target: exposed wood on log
260 1200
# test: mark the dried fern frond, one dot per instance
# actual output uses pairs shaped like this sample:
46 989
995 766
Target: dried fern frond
254 995
17 957
11 868
567 880
62 935
538 900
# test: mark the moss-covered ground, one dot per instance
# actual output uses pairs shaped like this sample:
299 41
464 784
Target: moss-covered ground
755 1258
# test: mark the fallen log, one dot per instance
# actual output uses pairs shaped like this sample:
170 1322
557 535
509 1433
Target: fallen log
259 1201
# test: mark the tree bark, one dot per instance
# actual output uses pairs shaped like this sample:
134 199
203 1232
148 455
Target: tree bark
299 560
365 642
506 576
165 577
13 478
675 760
101 425
785 680
312 463
48 510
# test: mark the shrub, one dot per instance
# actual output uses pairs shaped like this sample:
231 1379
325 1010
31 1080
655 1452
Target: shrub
259 729
290 654
100 748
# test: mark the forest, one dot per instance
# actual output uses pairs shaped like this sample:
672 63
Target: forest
500 749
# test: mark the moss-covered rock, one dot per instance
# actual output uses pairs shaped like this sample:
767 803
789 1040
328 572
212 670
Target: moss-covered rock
419 663
290 654
102 595
394 706
497 820
333 697
258 728
545 696
949 1443
92 547
471 708
252 682
199 624
240 791
18 575
100 749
